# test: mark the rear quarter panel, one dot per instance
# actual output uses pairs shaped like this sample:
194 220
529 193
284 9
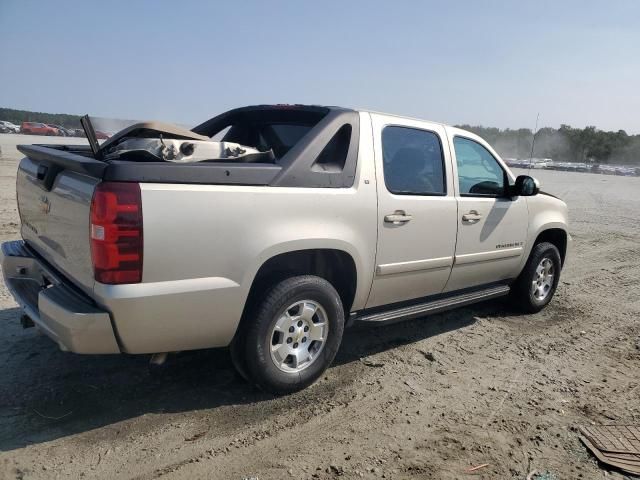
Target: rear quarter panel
203 245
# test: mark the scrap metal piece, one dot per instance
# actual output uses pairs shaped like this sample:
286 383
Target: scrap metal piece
615 445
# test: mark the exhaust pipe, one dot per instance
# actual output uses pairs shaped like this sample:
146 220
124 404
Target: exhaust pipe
158 359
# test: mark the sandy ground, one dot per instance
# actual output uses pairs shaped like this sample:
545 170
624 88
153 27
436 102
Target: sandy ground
431 398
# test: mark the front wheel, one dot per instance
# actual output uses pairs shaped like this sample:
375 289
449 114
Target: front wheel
537 283
292 335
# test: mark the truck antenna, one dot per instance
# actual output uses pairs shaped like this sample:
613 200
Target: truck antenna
533 141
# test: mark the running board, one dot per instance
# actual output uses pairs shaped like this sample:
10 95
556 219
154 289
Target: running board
433 306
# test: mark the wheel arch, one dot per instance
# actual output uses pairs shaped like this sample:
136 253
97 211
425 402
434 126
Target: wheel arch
335 265
556 236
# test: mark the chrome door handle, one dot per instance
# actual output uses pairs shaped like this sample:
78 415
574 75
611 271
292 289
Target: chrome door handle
471 217
397 218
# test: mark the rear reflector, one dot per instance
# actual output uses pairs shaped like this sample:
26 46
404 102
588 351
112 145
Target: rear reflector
116 233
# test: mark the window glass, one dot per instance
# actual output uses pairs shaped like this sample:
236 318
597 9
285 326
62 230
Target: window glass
219 137
413 161
279 137
333 156
289 134
479 173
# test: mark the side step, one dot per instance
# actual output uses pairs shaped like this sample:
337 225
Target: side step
431 307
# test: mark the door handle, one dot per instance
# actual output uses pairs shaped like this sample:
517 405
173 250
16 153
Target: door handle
398 217
471 217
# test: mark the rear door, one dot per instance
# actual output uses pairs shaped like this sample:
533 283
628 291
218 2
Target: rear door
492 227
417 210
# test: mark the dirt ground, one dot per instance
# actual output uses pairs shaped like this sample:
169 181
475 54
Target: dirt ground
426 399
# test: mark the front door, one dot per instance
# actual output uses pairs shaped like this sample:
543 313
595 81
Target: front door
492 227
417 210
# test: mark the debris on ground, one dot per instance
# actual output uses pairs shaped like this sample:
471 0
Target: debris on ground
196 436
615 445
371 363
536 475
428 355
476 468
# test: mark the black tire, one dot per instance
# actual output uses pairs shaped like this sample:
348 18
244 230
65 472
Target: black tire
255 338
522 295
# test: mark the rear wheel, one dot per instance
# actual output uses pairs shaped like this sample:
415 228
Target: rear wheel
292 335
537 283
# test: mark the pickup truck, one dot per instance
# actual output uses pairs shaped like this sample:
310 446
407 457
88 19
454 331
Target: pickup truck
269 229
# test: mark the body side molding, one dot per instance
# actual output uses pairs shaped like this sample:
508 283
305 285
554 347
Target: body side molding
414 266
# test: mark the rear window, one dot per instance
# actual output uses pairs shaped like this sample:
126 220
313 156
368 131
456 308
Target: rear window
279 137
265 128
289 135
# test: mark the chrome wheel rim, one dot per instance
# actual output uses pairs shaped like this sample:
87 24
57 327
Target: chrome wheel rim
298 336
542 282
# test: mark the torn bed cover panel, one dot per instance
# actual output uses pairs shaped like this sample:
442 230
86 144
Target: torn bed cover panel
152 130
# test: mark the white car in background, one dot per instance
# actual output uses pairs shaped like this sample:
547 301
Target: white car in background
8 127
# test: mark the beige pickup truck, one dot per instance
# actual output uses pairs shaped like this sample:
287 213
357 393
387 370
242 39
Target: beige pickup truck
270 229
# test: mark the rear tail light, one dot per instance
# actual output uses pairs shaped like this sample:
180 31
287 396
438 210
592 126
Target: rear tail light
116 233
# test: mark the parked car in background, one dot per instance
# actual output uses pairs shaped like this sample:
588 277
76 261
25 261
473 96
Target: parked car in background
8 127
101 135
62 131
37 128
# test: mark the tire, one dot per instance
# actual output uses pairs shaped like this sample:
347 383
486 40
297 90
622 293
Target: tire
527 297
309 307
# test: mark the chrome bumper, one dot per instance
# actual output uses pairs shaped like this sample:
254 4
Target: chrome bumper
68 317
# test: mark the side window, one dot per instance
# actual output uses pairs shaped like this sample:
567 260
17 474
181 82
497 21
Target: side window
479 173
413 161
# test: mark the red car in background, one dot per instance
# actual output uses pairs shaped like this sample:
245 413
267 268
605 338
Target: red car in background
37 128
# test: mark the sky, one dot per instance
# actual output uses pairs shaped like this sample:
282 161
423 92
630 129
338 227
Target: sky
491 63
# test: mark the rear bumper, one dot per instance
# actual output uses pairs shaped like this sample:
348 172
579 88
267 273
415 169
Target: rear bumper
68 317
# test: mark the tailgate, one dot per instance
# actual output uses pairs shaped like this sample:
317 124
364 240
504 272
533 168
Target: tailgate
54 204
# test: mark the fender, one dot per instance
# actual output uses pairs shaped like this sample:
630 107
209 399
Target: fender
545 213
364 264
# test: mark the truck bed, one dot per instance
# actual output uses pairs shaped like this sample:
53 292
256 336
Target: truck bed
79 159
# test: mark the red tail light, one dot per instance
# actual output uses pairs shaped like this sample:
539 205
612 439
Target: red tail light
116 233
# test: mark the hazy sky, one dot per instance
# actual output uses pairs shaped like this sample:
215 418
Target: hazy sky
495 63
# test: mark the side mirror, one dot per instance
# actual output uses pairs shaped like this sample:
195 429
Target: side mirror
526 186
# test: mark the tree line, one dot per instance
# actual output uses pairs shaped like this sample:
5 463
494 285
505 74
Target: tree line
564 144
19 116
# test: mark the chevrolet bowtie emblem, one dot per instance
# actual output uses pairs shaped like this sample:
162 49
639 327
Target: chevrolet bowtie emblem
45 204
